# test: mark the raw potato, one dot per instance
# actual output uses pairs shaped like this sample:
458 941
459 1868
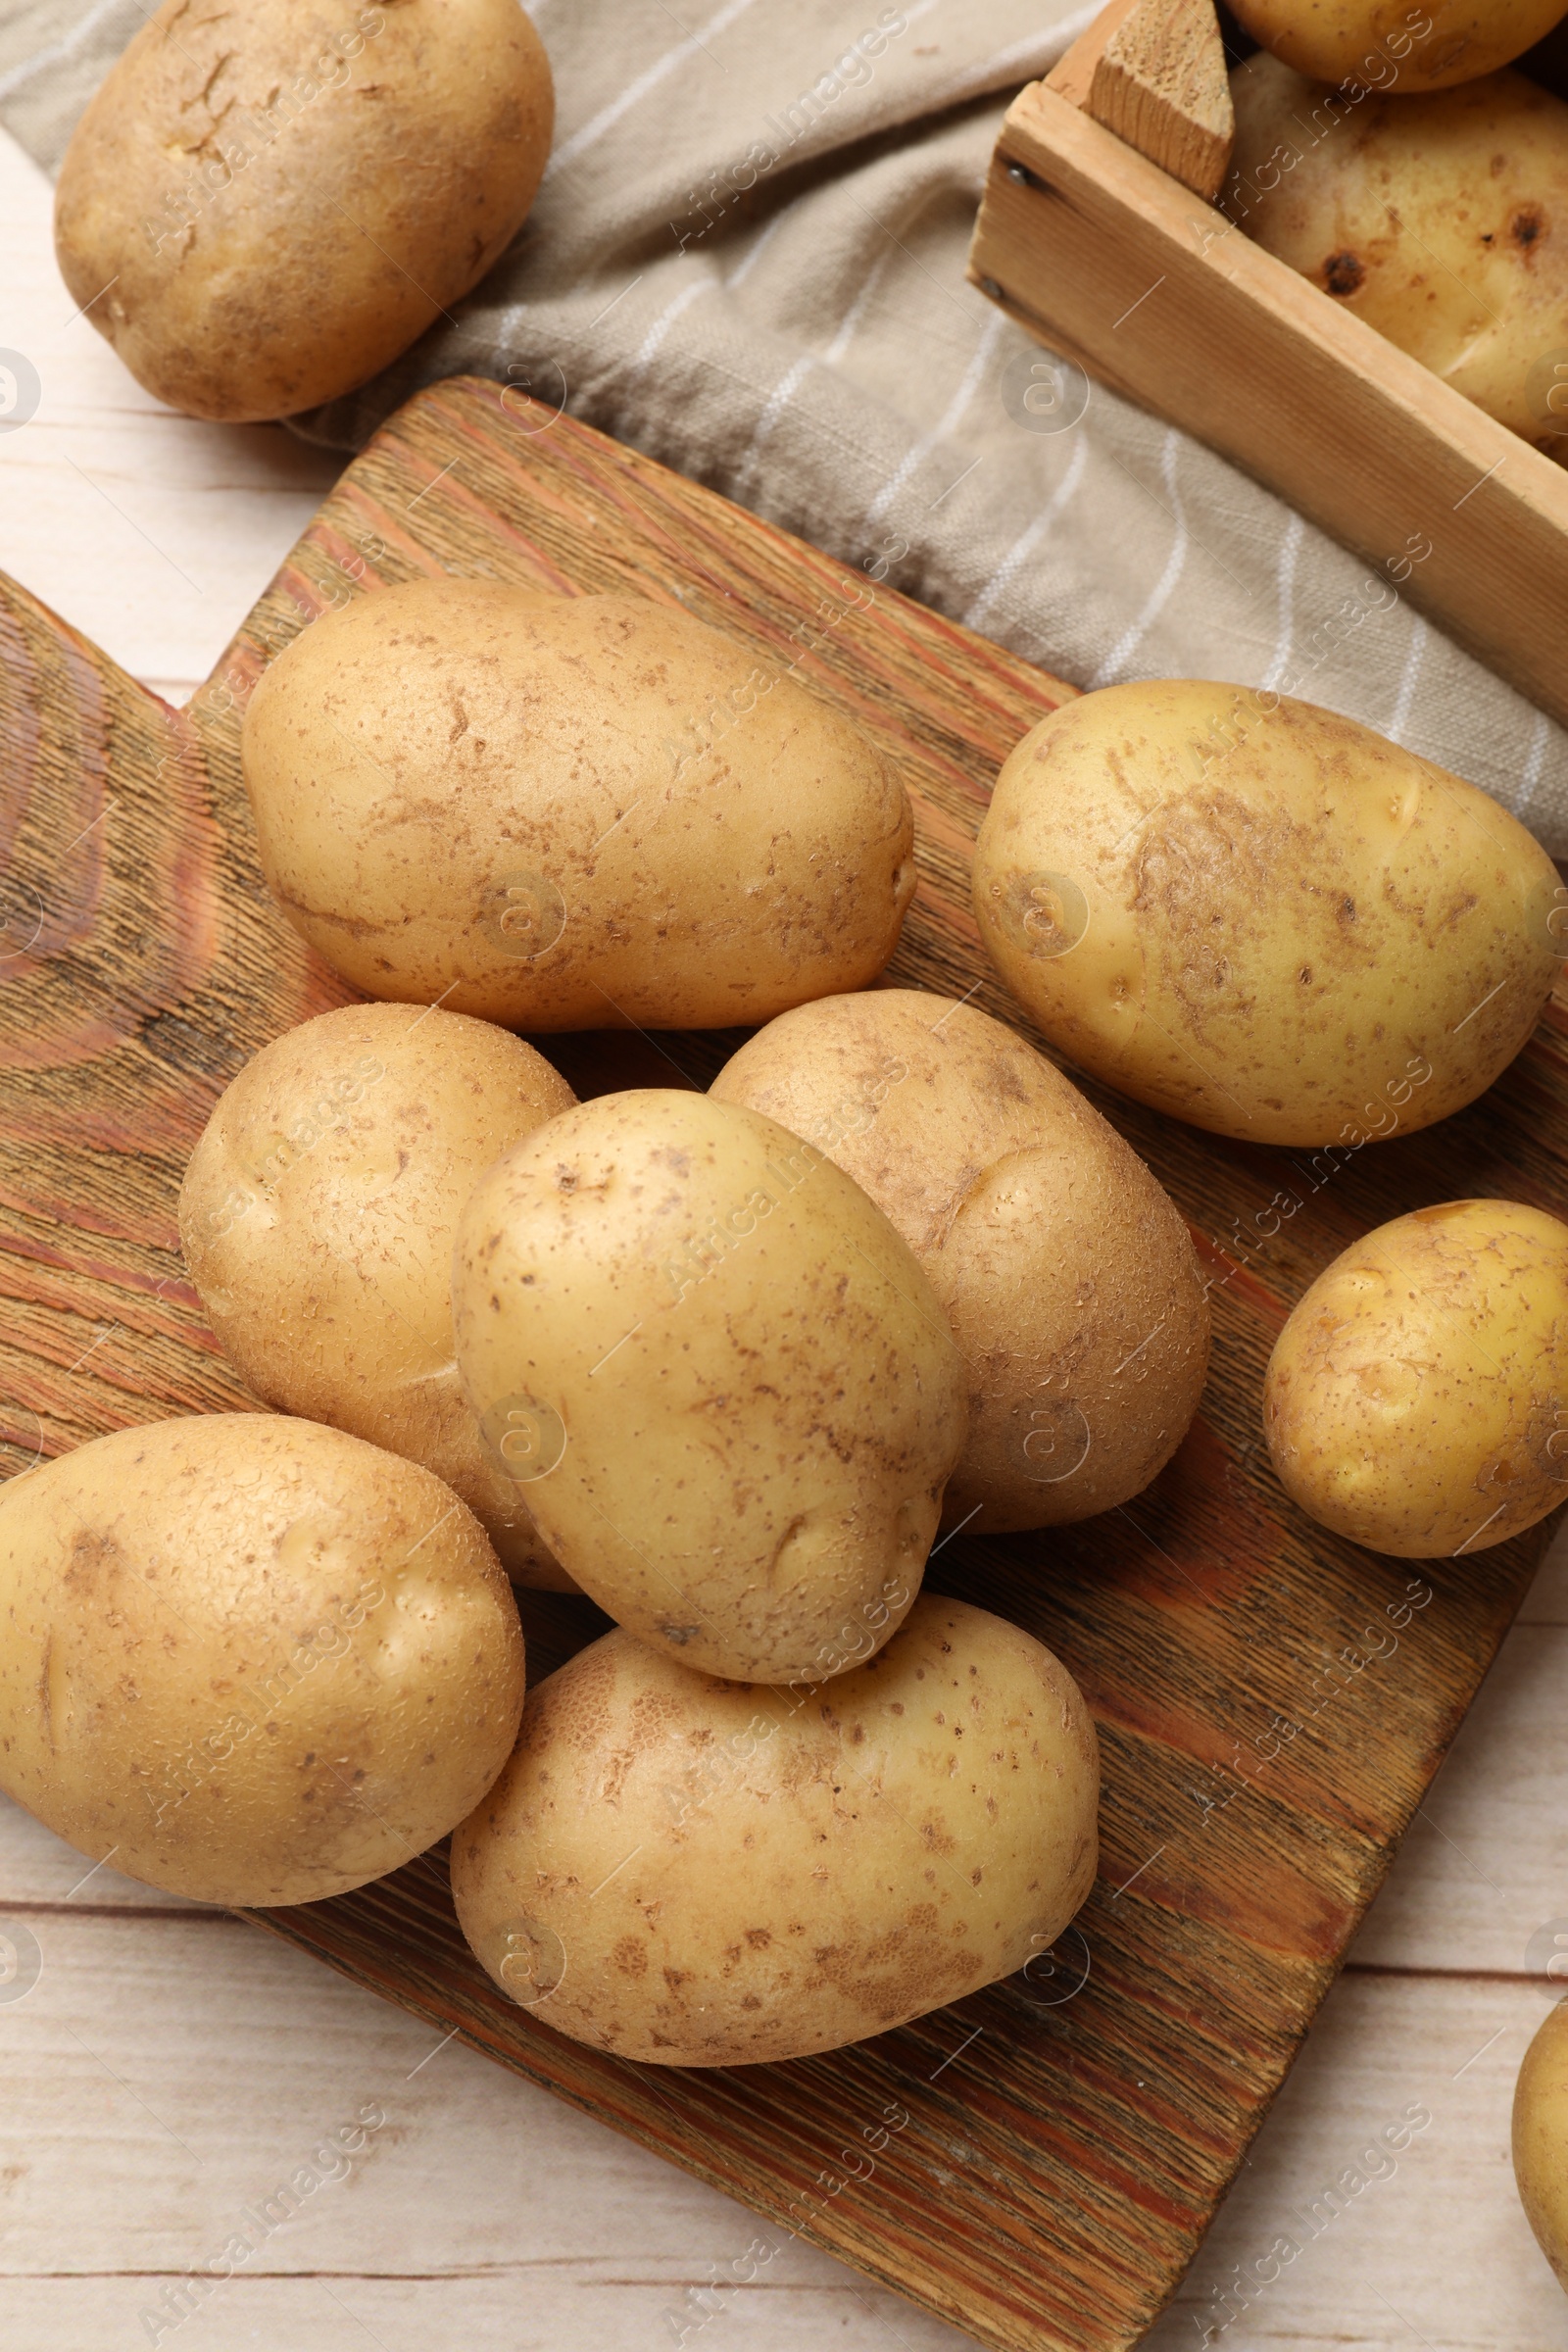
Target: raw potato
1441 221
255 1659
1540 2137
733 1381
1262 918
318 1217
1414 1401
569 812
1390 44
694 1872
1068 1277
261 209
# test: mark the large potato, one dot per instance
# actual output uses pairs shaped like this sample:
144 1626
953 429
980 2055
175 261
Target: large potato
1069 1280
261 208
1263 917
569 812
1390 45
1541 2137
695 1873
1441 221
318 1217
1415 1399
256 1660
735 1386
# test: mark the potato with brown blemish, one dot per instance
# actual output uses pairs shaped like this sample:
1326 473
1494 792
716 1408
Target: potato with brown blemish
570 812
1067 1275
1540 2137
1441 221
1417 1398
689 1872
1261 917
318 1217
1391 43
255 1660
735 1387
262 207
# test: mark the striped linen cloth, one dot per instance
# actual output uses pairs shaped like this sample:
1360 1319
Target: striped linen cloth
747 259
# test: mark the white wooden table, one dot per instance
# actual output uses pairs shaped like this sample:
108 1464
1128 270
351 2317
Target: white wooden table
169 2068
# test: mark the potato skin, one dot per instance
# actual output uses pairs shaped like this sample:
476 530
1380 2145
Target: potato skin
1442 222
690 1871
1540 2137
318 1217
1068 1277
263 209
742 1393
259 1660
1259 916
1413 1401
1388 42
468 792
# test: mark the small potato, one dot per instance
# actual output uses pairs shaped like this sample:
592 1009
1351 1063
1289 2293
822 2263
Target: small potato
1262 918
262 208
318 1217
1415 1399
1540 2134
256 1660
1069 1280
569 812
1441 221
735 1387
689 1872
1388 44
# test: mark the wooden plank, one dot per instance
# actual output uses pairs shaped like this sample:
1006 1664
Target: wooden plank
1105 258
1366 2268
1153 72
1485 1867
489 2215
166 2063
1060 2160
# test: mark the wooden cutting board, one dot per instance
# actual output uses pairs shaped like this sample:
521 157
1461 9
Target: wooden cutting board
1039 2163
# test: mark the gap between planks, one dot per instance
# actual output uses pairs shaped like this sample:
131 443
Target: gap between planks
203 1915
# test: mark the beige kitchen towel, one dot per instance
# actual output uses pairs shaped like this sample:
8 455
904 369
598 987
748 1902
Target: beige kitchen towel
747 259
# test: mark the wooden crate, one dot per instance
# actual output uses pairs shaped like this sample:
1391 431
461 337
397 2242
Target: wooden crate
1039 2163
1106 248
